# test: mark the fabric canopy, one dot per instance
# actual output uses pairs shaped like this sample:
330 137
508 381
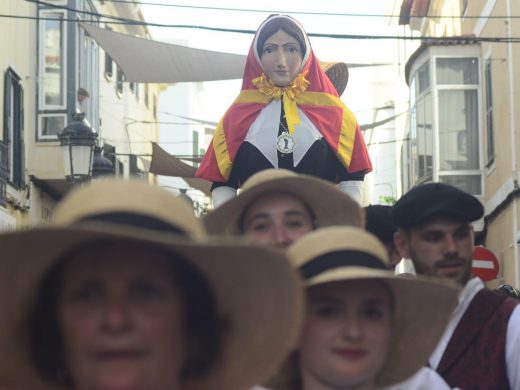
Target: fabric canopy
147 61
165 164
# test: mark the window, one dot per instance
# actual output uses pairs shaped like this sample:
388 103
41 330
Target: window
490 145
88 71
119 81
458 130
195 144
424 138
68 72
445 135
52 53
423 78
422 122
464 7
454 71
50 125
467 183
134 88
134 167
88 67
458 123
406 165
13 129
109 63
52 74
109 66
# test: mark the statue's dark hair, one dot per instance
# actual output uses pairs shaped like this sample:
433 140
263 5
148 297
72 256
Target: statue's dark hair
277 24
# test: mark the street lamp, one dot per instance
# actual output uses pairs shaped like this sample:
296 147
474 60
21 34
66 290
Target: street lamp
77 141
101 166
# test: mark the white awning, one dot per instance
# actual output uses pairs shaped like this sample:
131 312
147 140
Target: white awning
147 61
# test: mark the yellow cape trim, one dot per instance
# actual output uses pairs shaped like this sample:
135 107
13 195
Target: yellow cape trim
347 133
221 150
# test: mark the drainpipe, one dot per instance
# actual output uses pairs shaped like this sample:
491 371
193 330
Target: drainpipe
513 145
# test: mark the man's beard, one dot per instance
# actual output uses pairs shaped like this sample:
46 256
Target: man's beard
421 268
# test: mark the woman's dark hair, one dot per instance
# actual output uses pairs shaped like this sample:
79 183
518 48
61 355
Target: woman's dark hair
275 25
203 330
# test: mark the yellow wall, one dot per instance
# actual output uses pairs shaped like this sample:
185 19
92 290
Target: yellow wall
18 48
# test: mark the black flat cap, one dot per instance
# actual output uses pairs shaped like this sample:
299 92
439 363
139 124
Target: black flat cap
432 199
379 222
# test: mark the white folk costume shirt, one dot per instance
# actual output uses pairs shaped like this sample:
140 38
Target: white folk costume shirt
512 336
424 379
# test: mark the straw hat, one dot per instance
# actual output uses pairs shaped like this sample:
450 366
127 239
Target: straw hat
337 73
422 307
328 204
257 292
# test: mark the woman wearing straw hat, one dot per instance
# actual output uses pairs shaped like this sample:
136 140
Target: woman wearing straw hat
278 206
123 291
364 328
287 115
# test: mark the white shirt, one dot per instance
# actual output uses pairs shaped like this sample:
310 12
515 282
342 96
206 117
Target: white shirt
424 379
512 334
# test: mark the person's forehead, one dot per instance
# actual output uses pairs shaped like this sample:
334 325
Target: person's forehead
279 201
348 289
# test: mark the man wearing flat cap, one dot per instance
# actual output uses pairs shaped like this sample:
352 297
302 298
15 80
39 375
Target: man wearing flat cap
480 346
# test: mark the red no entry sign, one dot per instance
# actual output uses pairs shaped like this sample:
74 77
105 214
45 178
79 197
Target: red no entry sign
485 264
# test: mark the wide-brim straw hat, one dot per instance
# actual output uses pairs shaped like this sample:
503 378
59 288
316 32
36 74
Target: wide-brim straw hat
328 205
422 307
337 73
258 294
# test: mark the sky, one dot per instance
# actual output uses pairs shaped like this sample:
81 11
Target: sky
326 49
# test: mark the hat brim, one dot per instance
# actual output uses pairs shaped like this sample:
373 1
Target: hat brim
328 204
337 72
253 286
422 309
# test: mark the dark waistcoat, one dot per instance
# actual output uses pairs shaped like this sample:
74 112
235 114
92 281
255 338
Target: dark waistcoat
475 356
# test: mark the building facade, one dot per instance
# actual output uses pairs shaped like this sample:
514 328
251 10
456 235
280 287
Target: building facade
58 72
463 122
